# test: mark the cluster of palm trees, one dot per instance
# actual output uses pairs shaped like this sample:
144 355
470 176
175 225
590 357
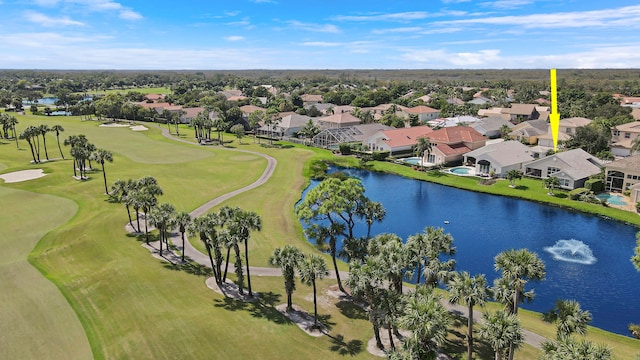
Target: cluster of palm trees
84 152
32 135
204 125
8 127
310 267
551 183
141 195
230 227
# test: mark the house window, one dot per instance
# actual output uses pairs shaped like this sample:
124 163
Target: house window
616 133
568 130
564 182
627 135
552 170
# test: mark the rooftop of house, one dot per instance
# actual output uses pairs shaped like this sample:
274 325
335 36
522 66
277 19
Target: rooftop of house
520 109
579 163
628 163
191 112
456 134
249 109
340 118
629 127
154 97
311 98
492 123
453 149
405 136
575 122
293 120
504 153
421 109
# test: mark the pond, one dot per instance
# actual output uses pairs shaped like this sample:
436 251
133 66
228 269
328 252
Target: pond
591 266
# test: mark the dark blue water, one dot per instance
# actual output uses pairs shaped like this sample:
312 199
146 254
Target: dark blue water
483 225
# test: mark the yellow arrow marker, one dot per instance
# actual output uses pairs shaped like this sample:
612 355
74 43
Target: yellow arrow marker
554 117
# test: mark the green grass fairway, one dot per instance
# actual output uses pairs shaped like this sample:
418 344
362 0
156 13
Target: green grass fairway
35 319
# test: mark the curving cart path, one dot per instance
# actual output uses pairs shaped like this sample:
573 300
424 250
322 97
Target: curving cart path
195 255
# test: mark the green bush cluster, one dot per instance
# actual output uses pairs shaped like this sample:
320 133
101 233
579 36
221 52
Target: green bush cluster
595 185
576 193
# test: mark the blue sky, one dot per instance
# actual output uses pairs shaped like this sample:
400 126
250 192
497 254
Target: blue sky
283 34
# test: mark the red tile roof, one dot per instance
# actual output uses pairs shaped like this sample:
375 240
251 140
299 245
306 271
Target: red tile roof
154 97
405 136
456 134
421 109
454 149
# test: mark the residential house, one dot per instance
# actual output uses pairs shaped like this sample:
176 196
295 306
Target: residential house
452 121
571 167
154 97
397 141
635 112
522 112
491 127
425 113
528 131
342 109
352 134
287 126
623 174
338 120
250 109
622 138
189 113
499 158
322 107
566 130
451 143
309 99
481 100
494 111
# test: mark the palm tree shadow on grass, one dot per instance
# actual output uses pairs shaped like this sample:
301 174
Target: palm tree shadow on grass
351 348
521 187
351 310
456 342
263 308
190 267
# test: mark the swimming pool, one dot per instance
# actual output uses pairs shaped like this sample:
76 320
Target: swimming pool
613 199
462 171
412 160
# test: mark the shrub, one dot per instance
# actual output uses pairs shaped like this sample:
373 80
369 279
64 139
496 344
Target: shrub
345 149
576 193
380 155
595 185
635 330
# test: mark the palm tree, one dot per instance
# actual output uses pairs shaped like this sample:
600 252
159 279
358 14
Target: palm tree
423 145
58 129
44 129
501 330
635 145
183 220
201 227
518 267
100 156
27 134
288 259
571 348
120 191
389 251
551 183
569 318
161 217
366 282
512 176
464 289
239 225
427 253
312 268
428 320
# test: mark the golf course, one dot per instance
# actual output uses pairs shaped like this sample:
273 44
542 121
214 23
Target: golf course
75 285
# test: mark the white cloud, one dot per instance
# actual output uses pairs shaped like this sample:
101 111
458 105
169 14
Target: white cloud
443 58
397 30
44 20
234 38
325 28
506 4
128 14
398 17
620 17
321 43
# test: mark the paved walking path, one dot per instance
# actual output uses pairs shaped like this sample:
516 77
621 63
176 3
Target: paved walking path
195 255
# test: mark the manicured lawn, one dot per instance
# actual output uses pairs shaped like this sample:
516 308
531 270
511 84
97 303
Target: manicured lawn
36 321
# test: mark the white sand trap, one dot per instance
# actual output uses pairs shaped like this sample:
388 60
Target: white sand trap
23 175
114 125
138 128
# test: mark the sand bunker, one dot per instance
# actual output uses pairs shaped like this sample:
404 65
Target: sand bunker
132 127
23 175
